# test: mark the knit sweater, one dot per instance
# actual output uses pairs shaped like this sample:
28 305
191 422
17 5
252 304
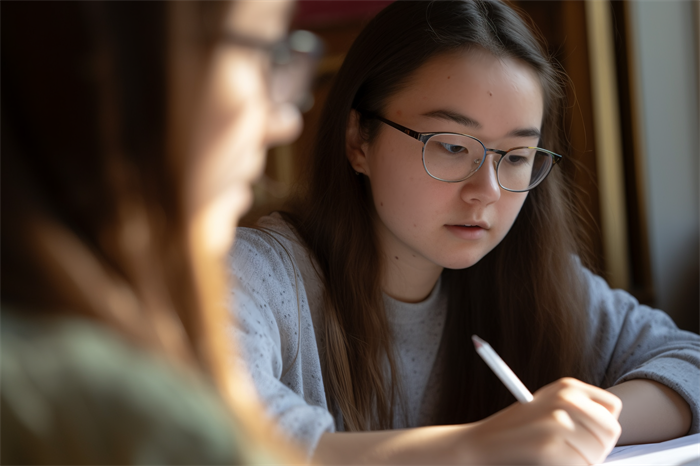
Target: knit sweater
278 305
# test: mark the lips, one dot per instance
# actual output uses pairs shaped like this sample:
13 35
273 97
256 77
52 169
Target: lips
468 231
483 225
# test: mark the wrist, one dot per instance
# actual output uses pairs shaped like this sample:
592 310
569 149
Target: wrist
455 444
450 444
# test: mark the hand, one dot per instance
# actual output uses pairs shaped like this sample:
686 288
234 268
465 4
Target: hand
568 422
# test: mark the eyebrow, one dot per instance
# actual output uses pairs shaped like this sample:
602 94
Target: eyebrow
471 123
453 116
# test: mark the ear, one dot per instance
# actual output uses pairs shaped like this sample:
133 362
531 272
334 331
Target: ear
355 146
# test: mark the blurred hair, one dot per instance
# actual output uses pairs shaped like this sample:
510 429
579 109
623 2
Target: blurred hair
525 297
99 99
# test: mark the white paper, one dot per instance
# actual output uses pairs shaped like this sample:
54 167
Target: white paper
680 451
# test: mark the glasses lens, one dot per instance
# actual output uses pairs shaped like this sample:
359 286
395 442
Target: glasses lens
452 157
293 66
524 168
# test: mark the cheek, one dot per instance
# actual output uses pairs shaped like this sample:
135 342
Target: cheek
228 143
510 206
404 195
236 149
222 175
220 217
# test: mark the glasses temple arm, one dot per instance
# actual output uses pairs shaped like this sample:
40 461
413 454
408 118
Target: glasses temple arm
403 129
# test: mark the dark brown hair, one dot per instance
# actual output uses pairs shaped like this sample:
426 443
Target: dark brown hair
525 297
95 221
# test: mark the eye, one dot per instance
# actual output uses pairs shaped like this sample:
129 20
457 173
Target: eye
514 159
454 149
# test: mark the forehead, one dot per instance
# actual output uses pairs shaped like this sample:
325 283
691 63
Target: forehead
474 83
266 20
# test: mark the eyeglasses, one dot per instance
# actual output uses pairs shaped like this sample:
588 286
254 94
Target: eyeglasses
293 64
454 157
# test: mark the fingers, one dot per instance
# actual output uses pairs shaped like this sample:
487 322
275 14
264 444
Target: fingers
604 398
585 415
589 429
568 422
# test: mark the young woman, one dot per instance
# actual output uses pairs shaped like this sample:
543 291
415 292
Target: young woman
433 210
131 133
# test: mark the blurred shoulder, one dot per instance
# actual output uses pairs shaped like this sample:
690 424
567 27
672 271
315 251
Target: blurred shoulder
73 390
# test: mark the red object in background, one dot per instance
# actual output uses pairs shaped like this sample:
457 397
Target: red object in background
320 13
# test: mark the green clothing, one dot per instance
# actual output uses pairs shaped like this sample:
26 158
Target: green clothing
75 392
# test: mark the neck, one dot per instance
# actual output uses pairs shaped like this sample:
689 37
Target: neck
406 276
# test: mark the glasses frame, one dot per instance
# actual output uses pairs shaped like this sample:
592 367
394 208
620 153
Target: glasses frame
282 52
424 137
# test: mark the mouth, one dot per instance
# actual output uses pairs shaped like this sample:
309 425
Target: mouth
475 226
468 231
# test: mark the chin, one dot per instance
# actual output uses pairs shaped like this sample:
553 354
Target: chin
456 261
458 264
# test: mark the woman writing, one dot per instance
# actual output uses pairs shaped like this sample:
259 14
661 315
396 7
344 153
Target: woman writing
130 135
433 210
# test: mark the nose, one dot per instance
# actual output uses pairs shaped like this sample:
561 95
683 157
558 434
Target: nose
483 185
284 124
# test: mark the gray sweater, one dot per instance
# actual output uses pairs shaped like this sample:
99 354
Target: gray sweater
278 307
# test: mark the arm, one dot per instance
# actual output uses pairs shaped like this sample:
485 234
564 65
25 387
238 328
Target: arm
573 423
639 354
275 337
421 445
568 422
651 412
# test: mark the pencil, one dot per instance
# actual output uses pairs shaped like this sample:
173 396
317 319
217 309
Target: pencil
502 371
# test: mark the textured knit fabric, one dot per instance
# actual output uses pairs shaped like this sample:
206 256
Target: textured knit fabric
278 302
74 392
416 329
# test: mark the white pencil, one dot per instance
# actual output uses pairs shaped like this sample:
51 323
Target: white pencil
501 369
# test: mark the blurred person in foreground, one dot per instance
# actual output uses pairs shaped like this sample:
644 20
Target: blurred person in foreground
131 133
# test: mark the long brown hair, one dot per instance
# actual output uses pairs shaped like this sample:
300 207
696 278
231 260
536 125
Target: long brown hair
525 297
99 99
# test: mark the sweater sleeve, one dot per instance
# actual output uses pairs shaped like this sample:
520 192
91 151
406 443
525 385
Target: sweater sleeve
633 341
275 336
